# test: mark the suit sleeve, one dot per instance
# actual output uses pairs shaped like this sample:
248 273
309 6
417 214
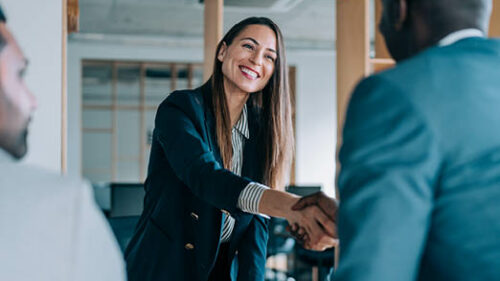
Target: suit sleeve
253 250
192 159
389 161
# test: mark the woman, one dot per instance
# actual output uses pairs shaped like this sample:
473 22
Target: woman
212 147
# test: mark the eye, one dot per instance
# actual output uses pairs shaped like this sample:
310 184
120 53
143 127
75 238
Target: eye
271 58
21 73
248 46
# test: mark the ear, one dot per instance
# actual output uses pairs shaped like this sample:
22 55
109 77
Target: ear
222 52
401 14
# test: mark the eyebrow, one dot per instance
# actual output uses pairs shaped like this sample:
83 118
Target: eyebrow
257 43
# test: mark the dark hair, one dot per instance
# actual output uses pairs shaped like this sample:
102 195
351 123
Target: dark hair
3 19
2 16
274 102
445 16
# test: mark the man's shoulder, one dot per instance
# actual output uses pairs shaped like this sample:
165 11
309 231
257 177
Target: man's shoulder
26 180
436 62
408 70
413 78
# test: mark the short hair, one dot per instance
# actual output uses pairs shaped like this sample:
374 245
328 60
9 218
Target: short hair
2 16
444 14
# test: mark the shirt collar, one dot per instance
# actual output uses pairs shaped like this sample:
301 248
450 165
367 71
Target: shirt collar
242 124
5 157
459 35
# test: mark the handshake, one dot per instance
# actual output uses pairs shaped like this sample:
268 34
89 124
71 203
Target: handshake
313 222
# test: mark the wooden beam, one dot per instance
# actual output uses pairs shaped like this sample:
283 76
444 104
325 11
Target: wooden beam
353 47
381 51
494 30
73 15
214 12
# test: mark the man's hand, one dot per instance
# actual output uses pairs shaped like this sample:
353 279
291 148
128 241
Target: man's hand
316 231
320 229
327 204
329 208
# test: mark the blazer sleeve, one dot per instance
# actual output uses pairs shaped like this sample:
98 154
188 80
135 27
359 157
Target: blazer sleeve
179 128
253 250
389 162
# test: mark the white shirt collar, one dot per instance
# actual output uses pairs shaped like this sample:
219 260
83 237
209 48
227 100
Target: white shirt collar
242 124
459 35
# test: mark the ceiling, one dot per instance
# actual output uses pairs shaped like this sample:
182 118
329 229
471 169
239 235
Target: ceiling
304 23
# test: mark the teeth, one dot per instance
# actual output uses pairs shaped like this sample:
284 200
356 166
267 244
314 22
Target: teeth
249 72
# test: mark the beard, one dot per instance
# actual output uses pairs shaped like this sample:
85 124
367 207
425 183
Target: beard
18 146
22 142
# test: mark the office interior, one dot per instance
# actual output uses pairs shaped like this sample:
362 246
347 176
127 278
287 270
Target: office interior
100 68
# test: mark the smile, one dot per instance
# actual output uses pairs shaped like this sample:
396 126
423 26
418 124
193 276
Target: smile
249 73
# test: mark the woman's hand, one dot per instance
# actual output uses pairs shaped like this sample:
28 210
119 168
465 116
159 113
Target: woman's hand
319 229
313 228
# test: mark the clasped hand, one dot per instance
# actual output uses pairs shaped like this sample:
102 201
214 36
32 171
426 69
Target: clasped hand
312 222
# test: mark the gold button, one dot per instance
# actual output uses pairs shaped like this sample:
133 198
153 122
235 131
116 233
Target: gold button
189 246
226 212
194 216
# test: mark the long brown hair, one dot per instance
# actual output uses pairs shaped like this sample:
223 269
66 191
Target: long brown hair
274 101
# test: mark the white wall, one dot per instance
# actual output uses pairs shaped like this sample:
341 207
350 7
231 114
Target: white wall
316 102
37 26
316 118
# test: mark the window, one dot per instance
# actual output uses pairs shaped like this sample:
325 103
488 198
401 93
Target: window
119 104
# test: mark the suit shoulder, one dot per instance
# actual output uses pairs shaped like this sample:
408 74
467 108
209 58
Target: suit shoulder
408 70
410 79
184 99
185 103
39 180
46 192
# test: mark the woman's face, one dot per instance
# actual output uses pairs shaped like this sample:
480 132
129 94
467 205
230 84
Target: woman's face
248 63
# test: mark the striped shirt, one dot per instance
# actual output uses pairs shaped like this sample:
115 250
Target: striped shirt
249 199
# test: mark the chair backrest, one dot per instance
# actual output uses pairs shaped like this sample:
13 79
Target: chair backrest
303 190
127 199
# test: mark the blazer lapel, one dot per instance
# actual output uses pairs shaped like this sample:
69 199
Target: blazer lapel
210 134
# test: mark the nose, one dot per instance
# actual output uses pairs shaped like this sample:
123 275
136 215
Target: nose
257 58
33 101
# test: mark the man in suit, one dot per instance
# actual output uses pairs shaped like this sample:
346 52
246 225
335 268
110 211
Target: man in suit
50 227
420 178
420 163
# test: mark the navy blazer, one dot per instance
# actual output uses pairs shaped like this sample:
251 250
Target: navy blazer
188 194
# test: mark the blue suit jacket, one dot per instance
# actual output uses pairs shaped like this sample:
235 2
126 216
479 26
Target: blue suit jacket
420 169
188 193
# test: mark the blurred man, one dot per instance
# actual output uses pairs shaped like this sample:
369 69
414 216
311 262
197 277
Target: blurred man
50 228
420 177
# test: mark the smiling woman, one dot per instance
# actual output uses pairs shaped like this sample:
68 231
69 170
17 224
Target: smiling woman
220 155
251 59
